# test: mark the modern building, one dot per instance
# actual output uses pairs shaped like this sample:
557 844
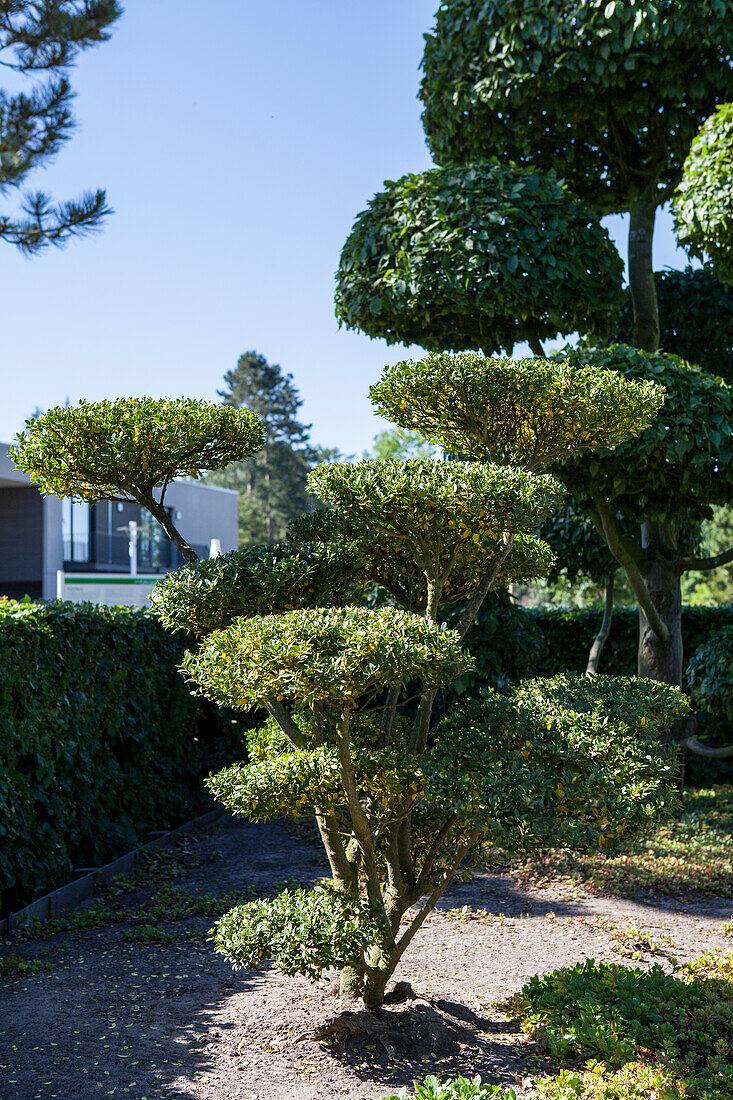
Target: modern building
42 536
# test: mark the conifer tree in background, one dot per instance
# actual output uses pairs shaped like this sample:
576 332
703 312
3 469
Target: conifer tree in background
271 484
45 38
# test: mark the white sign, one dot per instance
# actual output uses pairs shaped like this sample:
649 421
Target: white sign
113 589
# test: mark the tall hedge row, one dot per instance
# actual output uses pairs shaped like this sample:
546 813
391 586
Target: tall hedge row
100 741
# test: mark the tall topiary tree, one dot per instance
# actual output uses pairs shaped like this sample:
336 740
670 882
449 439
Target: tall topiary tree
401 802
703 203
482 256
610 96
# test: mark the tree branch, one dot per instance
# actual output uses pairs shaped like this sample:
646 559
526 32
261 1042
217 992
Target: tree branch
697 747
498 558
293 733
704 564
620 548
605 629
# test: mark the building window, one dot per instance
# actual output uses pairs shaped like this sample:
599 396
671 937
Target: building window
76 530
153 545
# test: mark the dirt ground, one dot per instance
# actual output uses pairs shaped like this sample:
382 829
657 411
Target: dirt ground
174 1022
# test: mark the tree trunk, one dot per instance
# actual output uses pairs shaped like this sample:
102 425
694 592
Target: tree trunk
641 272
605 629
658 659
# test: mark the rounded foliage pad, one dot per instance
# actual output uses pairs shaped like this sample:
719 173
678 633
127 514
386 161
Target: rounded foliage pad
682 464
703 204
325 655
299 932
562 765
101 449
526 412
483 256
608 94
430 503
257 580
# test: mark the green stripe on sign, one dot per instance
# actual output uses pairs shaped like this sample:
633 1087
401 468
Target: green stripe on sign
112 580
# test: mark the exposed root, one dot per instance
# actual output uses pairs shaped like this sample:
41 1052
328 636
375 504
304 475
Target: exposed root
414 1030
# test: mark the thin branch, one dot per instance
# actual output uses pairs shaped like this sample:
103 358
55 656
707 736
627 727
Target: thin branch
293 733
697 747
605 629
498 558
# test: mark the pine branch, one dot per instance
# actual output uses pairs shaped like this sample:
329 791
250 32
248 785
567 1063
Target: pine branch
32 129
46 223
49 34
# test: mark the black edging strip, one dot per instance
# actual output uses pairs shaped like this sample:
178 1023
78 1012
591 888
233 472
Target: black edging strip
74 893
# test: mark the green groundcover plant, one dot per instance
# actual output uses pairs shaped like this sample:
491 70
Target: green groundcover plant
401 800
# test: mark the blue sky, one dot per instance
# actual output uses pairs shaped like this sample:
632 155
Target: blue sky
236 147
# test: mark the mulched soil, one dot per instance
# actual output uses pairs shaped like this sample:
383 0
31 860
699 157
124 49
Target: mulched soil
174 1022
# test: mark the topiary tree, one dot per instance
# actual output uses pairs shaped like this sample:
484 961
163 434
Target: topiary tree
609 96
482 256
695 318
671 475
400 801
703 202
132 447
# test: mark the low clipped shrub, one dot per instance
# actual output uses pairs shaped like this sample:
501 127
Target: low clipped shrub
677 1027
99 739
459 1089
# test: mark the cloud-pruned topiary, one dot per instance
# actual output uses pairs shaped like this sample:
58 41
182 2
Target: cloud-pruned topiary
133 446
258 580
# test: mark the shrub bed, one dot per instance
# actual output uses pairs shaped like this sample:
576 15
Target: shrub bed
100 740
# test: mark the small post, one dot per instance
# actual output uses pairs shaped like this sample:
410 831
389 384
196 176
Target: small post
59 584
215 548
133 531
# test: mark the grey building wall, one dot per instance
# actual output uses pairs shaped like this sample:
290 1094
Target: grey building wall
21 542
204 512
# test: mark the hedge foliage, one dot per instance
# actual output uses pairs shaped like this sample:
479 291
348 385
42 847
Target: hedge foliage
99 739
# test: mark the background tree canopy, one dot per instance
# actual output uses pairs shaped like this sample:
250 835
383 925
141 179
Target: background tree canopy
271 483
704 200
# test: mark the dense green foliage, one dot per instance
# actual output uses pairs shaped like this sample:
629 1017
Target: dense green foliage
100 741
323 656
459 1089
301 932
683 1021
695 319
554 764
207 595
683 462
44 37
526 412
710 674
609 95
703 203
483 256
271 482
103 449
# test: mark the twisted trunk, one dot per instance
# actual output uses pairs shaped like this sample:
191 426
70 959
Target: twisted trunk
641 272
661 658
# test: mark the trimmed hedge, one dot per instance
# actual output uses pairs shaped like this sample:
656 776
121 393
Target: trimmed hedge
100 741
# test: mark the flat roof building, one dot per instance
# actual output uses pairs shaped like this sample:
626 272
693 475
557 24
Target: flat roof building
41 536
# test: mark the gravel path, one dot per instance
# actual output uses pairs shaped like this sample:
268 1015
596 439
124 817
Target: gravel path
174 1022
